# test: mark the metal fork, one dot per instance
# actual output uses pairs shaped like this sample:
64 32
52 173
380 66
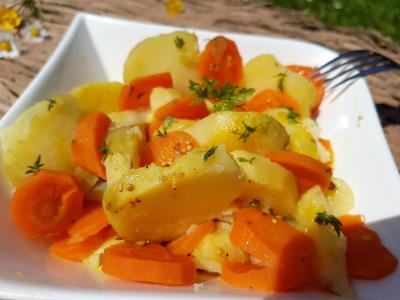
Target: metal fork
351 65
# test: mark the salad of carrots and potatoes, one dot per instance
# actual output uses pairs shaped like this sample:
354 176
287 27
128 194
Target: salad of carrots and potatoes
196 163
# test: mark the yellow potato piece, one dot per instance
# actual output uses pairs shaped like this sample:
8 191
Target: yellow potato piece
100 96
43 129
331 249
229 128
160 203
270 183
265 72
216 248
123 146
159 54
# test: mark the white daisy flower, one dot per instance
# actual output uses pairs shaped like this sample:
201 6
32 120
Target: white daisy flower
34 33
8 46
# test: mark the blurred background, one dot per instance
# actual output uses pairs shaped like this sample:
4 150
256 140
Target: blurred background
338 24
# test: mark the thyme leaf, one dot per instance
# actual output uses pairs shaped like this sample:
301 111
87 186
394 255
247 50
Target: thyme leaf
36 167
322 218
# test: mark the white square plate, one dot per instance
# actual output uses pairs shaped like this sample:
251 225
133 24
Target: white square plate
94 49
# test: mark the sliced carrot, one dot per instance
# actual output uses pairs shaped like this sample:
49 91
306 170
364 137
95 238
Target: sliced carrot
76 251
150 263
286 253
183 108
45 204
136 94
268 98
87 143
165 149
88 224
328 146
221 61
304 70
186 243
308 171
366 257
268 279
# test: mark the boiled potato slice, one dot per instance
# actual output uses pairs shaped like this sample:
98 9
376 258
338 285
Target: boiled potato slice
261 72
129 118
43 129
216 248
270 183
301 139
160 203
229 128
160 96
177 125
331 249
265 72
123 146
159 54
340 197
99 96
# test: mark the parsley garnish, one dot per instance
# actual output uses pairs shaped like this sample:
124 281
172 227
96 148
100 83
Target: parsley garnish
224 98
255 203
281 78
323 218
36 167
52 102
209 153
242 159
248 130
103 149
179 42
166 123
292 116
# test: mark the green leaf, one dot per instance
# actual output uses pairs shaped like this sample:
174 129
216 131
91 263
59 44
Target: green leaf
36 167
179 42
209 153
322 218
248 130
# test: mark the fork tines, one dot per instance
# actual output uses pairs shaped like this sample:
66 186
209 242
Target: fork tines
352 65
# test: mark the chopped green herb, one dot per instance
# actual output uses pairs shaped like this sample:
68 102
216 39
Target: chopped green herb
281 78
209 153
168 120
323 218
255 203
292 116
179 42
245 160
36 167
248 130
52 103
103 149
224 98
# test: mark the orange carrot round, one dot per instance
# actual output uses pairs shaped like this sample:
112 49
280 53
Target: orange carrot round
221 61
186 243
90 223
305 71
366 257
76 251
87 143
150 263
308 171
268 279
183 108
136 94
286 252
268 98
165 149
45 204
